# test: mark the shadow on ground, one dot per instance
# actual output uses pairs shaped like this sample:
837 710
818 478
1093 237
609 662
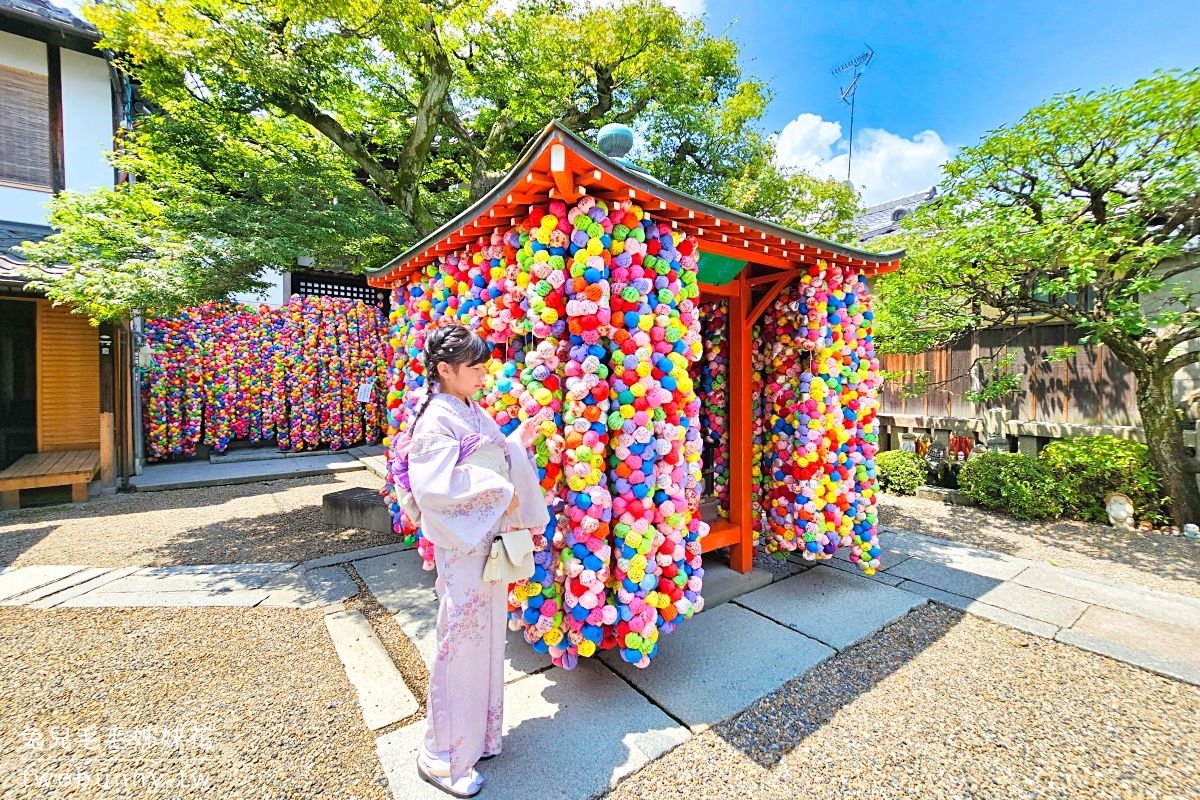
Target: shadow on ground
170 531
140 502
290 536
776 724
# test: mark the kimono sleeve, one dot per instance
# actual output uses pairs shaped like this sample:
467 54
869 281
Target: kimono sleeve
532 512
459 503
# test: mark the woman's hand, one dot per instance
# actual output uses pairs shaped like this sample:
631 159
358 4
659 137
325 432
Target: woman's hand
513 504
530 429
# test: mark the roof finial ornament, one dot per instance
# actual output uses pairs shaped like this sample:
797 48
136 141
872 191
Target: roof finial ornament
615 140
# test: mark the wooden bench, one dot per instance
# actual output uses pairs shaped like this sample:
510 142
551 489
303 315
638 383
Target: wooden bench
34 471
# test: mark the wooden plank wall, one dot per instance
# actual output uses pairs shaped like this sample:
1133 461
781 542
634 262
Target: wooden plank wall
1093 388
68 377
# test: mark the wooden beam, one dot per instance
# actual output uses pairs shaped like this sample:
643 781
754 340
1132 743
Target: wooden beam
536 179
722 249
58 160
722 533
560 170
726 290
741 430
771 294
778 276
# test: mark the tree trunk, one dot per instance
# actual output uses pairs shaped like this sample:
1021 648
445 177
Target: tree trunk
1164 437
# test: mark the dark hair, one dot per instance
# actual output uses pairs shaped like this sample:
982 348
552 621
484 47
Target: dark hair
456 345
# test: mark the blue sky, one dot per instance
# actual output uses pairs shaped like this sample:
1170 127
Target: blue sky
945 72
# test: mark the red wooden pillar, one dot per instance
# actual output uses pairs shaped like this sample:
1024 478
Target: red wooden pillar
741 430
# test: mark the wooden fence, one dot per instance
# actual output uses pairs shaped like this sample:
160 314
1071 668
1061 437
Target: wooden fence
1092 388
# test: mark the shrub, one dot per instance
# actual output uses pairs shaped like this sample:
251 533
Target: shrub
900 472
1024 485
1090 467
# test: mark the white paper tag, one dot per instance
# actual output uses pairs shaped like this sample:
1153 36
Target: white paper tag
364 391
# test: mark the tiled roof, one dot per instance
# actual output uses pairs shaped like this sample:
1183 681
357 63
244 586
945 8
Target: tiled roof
52 16
884 218
712 225
11 235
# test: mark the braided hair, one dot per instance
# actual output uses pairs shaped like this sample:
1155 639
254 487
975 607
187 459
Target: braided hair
456 345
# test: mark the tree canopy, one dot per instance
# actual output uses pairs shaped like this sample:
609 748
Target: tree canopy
347 130
1086 211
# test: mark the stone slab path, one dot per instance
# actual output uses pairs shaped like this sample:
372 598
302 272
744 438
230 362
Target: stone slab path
598 727
382 693
757 632
193 474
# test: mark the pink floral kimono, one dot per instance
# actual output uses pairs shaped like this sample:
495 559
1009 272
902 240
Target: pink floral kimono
462 499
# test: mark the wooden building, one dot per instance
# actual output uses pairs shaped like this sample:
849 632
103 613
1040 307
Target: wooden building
743 260
60 391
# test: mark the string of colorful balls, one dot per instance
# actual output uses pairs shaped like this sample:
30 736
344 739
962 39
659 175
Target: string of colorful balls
714 410
226 371
592 313
820 392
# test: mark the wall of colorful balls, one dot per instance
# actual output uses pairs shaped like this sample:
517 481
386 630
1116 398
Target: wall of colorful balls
287 375
592 313
711 373
816 390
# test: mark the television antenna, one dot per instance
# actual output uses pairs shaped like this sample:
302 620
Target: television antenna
856 67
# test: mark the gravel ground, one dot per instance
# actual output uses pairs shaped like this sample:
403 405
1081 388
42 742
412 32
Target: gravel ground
272 716
404 653
942 705
1167 563
252 522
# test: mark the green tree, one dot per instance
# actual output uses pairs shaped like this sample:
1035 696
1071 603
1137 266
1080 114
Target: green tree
1086 211
348 130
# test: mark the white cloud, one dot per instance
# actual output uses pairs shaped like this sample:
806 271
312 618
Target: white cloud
885 165
692 8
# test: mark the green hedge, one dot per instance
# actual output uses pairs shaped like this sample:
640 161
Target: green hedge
1090 467
1024 485
900 472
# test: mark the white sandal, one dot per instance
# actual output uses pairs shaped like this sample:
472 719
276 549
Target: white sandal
437 773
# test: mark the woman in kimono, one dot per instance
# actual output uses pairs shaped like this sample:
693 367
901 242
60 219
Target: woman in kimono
468 481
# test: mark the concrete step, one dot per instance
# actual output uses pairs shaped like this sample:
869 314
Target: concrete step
356 508
382 693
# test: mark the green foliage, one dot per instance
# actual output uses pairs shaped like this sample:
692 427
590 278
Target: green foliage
1085 211
1023 485
900 472
821 206
1090 467
346 131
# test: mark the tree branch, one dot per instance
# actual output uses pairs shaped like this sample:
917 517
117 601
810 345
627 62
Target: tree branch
1182 360
329 127
415 152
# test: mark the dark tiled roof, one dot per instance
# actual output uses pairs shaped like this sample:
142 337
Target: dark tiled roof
883 218
635 179
48 15
11 235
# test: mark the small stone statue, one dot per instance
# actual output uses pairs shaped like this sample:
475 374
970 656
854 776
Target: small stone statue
1120 511
995 429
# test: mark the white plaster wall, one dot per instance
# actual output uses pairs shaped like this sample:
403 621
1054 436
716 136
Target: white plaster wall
21 53
87 121
272 296
22 205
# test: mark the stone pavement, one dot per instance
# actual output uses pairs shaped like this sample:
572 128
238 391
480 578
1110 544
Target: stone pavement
1156 631
757 632
193 474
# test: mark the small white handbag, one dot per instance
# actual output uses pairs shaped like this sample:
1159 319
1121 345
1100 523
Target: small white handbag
511 556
